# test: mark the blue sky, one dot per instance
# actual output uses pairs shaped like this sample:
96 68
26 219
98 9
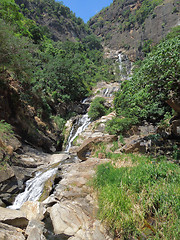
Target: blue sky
86 9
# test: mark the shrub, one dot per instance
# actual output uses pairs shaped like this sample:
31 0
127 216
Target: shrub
6 130
59 121
144 96
119 125
97 108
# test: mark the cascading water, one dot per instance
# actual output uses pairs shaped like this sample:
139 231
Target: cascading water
34 188
125 66
83 123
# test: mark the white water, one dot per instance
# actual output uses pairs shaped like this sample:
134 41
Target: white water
125 66
120 62
83 123
34 188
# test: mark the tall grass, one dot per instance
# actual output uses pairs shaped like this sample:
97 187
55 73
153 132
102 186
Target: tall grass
130 197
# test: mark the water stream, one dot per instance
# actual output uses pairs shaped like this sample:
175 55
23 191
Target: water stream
34 188
76 129
125 66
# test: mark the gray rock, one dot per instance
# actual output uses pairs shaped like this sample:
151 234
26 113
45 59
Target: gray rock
8 184
84 150
10 233
35 230
13 217
68 218
33 210
57 158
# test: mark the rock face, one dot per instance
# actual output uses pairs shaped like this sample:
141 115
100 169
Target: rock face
85 149
23 117
62 23
74 206
13 217
113 25
8 184
10 233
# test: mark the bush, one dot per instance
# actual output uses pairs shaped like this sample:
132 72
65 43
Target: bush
144 96
119 125
97 108
6 130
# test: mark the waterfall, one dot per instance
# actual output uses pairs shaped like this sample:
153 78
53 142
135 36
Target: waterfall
83 123
34 188
120 62
125 66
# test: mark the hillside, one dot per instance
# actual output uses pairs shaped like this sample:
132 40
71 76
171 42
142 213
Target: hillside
44 81
118 122
135 25
58 19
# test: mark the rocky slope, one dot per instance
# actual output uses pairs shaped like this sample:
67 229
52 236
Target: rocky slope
58 19
129 25
23 117
71 208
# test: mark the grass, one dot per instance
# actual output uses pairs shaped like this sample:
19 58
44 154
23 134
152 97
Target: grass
6 133
141 199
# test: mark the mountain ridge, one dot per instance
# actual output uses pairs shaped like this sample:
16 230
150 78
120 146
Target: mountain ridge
127 25
59 19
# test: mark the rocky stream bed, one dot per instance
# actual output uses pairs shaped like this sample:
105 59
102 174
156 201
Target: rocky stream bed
52 195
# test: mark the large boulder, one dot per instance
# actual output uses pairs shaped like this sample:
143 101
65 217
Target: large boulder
57 158
35 230
68 218
13 217
85 149
10 233
136 144
8 184
33 210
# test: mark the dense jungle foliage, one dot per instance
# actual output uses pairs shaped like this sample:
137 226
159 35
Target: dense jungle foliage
58 18
155 80
48 72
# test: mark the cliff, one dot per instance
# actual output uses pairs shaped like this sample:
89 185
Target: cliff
58 19
135 25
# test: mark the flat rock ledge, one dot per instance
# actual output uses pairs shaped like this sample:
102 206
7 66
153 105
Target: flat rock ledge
13 217
73 207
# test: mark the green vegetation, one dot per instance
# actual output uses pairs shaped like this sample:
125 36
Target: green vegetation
6 134
140 199
48 73
6 131
59 121
97 108
128 19
56 10
155 80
